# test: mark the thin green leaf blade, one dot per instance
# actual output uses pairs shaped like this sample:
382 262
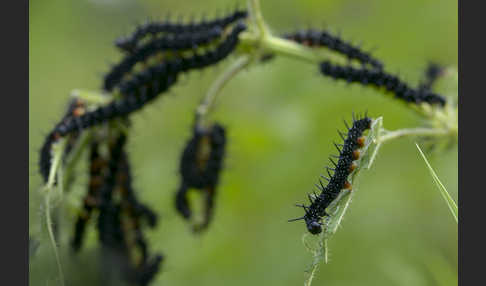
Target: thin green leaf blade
443 191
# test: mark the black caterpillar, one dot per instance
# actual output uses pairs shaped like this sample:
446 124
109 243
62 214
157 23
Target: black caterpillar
379 78
313 38
146 85
91 200
338 180
130 42
116 214
170 42
200 167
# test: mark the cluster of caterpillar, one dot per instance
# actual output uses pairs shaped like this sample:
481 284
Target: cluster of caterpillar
373 75
140 89
172 42
200 166
120 215
315 38
149 83
129 43
339 179
381 79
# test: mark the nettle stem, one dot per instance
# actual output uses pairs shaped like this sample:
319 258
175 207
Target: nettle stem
208 101
73 159
391 135
54 173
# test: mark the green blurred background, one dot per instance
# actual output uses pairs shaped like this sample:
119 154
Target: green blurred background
281 120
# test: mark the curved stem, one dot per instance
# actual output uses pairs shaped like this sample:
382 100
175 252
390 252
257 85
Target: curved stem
284 47
58 150
72 160
52 237
390 135
208 101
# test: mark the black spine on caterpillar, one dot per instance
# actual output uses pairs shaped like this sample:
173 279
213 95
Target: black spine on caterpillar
172 42
200 168
380 78
312 38
90 201
129 43
146 85
432 73
338 180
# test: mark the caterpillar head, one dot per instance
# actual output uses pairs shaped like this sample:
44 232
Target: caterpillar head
313 226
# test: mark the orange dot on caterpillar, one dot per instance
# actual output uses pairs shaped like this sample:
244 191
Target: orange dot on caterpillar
361 141
356 154
78 111
347 185
352 167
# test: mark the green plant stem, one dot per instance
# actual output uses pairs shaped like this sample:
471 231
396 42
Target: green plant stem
58 150
284 47
72 160
391 135
92 97
443 191
256 16
50 232
208 101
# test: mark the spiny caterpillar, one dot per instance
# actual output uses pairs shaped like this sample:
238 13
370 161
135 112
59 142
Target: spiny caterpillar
142 88
313 38
183 64
200 166
130 42
170 42
91 200
119 224
148 84
379 79
339 179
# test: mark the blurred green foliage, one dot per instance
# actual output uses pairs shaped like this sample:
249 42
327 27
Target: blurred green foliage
281 119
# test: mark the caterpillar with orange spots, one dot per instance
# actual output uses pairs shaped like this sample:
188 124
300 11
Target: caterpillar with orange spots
130 42
339 179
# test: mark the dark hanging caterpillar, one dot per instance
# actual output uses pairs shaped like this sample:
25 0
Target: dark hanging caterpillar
91 200
130 42
119 224
132 208
172 42
315 38
147 84
381 79
109 225
339 179
200 167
